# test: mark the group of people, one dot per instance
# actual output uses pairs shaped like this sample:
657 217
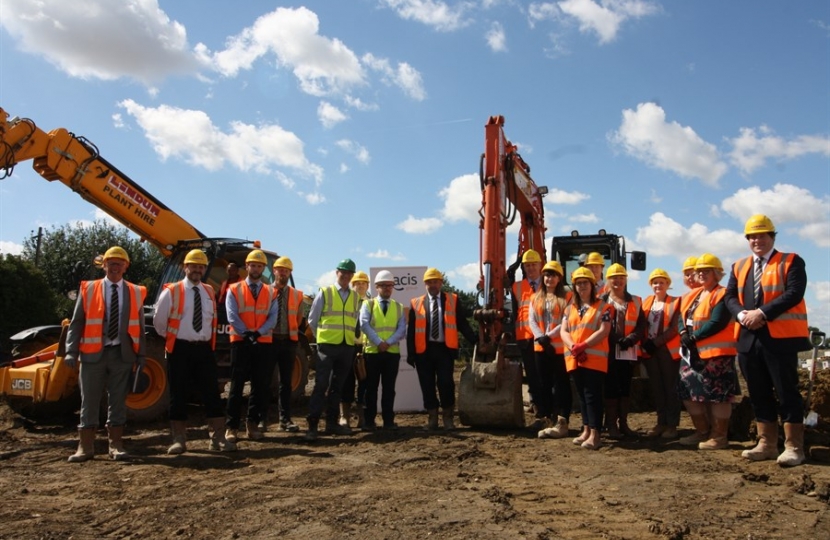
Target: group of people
592 334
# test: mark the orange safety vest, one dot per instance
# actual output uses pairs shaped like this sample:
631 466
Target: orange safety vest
174 318
632 315
671 305
295 299
252 313
581 328
793 322
450 325
721 344
556 310
92 298
523 293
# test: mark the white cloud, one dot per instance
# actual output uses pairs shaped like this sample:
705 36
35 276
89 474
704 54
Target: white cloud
462 199
326 280
751 152
191 136
604 18
100 214
822 291
357 103
786 204
818 313
558 196
645 135
496 38
10 248
465 277
329 115
313 198
101 39
542 11
343 168
663 236
384 254
432 13
355 149
413 225
584 218
404 76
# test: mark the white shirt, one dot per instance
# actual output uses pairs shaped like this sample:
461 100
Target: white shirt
186 331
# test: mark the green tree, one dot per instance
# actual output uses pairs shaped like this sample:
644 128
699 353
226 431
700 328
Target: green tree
67 255
26 299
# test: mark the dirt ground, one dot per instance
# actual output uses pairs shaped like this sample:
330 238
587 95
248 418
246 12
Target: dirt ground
406 484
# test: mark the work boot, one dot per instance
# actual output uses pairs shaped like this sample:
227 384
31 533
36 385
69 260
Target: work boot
218 440
337 428
116 445
612 415
359 411
448 420
178 431
717 436
287 425
253 432
540 424
767 447
86 446
345 414
432 422
701 433
311 434
559 431
793 453
232 435
625 406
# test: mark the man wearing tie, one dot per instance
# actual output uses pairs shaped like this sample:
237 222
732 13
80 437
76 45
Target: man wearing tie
766 294
523 292
435 321
185 316
252 314
107 336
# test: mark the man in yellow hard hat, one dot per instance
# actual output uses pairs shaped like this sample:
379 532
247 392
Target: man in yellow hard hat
766 295
252 313
523 291
435 321
106 335
185 315
333 319
290 322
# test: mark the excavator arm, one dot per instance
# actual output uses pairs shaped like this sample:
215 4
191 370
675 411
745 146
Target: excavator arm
74 161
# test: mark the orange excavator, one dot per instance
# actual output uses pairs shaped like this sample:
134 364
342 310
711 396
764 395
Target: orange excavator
75 162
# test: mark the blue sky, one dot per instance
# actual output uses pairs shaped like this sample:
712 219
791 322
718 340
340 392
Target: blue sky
354 128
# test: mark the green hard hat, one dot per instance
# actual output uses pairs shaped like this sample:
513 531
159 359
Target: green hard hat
346 265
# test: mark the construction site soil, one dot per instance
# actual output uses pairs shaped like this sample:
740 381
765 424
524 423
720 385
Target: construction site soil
408 484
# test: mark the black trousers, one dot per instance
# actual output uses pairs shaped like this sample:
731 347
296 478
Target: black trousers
435 366
772 381
381 368
192 366
285 352
255 363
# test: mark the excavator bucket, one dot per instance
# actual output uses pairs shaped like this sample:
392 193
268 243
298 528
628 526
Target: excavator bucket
490 393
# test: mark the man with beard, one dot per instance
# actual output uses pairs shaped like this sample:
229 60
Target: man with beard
252 314
186 316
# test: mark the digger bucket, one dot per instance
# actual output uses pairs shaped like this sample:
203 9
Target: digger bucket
490 393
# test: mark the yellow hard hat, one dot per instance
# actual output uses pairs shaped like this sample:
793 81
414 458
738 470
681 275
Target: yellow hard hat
116 252
659 273
616 269
196 256
553 266
595 258
433 273
707 260
256 256
583 273
284 262
360 276
531 256
689 263
759 223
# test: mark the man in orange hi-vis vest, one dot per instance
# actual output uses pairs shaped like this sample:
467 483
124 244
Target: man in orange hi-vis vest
766 295
107 336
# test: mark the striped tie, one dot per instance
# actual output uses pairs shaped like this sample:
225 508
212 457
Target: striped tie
197 310
759 290
112 329
434 319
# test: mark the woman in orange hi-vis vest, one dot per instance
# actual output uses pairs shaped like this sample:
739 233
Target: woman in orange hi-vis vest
707 366
584 332
661 352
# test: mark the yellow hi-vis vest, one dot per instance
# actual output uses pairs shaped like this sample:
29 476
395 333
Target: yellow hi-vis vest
174 318
252 313
338 320
384 325
92 298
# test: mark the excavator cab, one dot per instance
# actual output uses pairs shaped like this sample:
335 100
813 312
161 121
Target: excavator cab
570 251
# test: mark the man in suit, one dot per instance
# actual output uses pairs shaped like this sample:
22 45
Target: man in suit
435 321
107 336
766 295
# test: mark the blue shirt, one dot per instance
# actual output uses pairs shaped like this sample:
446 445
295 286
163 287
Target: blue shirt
233 313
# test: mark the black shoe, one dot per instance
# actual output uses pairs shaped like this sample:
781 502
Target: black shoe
369 427
337 429
289 426
390 427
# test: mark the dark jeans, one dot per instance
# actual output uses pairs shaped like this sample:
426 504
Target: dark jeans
589 384
435 366
663 376
618 380
333 365
285 352
532 375
193 363
381 368
255 363
555 397
351 384
772 381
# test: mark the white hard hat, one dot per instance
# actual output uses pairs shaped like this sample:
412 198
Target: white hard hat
384 276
